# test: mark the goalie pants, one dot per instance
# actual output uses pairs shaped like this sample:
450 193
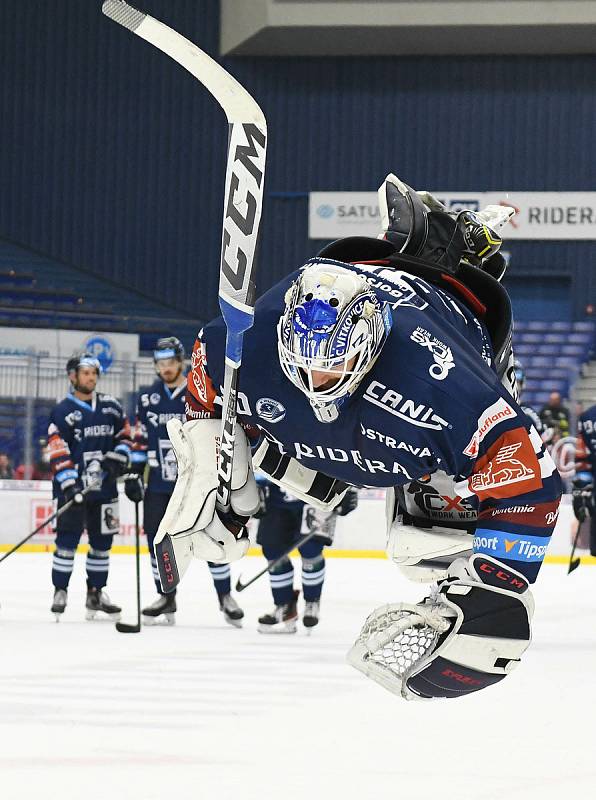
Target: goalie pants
98 519
279 529
154 507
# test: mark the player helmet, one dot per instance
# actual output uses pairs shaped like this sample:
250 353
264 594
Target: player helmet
333 322
168 347
85 359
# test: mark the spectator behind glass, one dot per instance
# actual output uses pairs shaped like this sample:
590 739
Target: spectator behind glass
6 472
41 470
555 415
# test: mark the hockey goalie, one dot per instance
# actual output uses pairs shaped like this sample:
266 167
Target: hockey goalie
408 336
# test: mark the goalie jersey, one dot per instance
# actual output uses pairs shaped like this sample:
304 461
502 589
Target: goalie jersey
156 405
431 402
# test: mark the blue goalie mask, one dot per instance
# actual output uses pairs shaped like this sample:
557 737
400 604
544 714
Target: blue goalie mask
330 334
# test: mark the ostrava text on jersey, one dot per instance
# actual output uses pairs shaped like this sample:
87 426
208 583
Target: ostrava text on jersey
79 434
432 401
156 405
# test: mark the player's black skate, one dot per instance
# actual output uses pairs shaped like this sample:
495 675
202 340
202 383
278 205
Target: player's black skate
162 611
312 612
59 604
282 619
98 601
232 612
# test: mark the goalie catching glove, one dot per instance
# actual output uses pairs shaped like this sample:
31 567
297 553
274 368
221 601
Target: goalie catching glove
192 526
470 633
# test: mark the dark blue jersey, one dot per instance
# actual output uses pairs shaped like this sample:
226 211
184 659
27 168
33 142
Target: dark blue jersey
79 433
585 457
156 405
431 402
276 497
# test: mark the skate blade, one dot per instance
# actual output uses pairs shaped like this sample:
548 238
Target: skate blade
287 627
93 615
163 619
235 623
57 615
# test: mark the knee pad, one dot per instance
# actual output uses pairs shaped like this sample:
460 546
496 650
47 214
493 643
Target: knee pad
98 553
425 554
62 552
283 566
312 549
314 564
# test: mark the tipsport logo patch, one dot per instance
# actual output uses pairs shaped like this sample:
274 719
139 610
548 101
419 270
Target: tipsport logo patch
505 545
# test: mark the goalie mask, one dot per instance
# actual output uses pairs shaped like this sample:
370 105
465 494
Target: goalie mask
330 334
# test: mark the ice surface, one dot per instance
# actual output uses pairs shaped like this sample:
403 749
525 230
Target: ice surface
202 710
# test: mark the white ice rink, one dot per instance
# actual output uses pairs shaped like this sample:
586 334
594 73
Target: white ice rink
202 710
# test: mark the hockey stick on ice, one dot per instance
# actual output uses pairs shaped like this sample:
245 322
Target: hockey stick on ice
240 587
51 518
122 627
574 562
243 201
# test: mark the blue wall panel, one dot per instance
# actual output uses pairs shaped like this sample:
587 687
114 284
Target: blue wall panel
112 158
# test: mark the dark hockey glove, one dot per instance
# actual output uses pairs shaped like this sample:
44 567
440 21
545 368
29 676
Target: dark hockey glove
70 484
583 501
468 635
348 503
74 492
134 488
115 464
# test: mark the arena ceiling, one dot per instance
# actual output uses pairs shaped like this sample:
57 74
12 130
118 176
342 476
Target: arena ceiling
406 27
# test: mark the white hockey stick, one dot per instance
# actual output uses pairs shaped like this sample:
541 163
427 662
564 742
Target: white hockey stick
243 201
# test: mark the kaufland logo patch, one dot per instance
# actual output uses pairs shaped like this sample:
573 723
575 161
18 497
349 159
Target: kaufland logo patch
490 417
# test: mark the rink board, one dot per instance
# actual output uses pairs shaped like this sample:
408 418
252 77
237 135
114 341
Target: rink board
25 504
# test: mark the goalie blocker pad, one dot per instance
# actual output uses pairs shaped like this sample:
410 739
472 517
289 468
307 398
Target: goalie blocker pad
306 484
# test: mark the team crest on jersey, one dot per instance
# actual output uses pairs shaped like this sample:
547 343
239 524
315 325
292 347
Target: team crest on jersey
270 410
154 399
74 417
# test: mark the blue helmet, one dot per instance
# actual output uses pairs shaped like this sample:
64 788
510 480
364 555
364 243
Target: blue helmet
334 323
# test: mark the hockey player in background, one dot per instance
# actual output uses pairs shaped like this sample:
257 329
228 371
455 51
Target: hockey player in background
283 520
156 405
89 440
584 498
387 363
520 379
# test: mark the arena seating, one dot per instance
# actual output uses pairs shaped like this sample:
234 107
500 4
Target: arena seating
40 293
552 354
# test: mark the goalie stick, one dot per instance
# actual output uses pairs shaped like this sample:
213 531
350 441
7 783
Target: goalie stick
243 201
